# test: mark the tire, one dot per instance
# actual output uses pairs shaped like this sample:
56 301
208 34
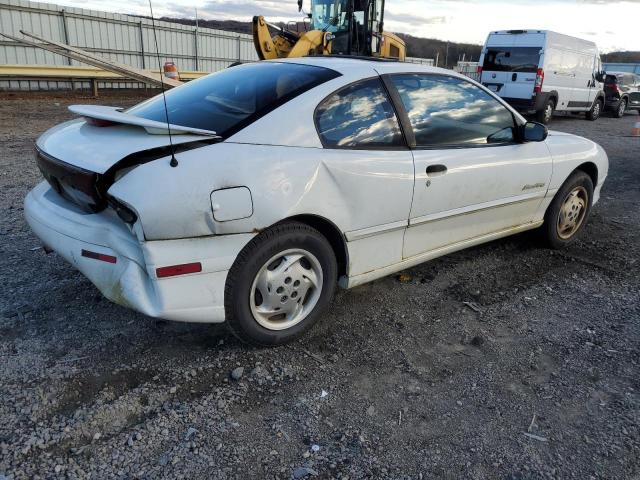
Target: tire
556 218
595 111
285 261
544 116
620 109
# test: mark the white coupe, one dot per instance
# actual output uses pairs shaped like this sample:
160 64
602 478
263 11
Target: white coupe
286 178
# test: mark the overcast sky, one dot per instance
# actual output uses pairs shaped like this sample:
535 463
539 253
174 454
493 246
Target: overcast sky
613 25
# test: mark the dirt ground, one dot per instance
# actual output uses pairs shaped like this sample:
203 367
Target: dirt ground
401 379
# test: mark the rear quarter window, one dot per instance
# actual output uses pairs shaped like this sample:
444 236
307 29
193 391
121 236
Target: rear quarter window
358 116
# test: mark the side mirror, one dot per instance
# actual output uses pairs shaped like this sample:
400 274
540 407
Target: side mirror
600 76
299 5
634 99
534 132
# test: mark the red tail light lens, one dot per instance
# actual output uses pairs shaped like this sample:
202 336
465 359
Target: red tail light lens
98 256
174 270
479 71
539 81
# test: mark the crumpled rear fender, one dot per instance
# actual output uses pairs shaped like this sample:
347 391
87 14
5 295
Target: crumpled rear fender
354 189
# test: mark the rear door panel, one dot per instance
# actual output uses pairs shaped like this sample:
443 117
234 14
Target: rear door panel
510 66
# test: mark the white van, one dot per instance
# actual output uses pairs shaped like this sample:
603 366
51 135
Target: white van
539 72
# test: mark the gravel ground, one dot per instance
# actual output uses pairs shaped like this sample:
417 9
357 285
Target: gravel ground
541 379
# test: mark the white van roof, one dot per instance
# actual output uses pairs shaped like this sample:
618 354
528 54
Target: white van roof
535 38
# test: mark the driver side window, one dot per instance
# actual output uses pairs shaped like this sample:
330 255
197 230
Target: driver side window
449 111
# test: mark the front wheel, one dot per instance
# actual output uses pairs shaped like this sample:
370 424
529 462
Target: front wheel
595 111
569 210
280 284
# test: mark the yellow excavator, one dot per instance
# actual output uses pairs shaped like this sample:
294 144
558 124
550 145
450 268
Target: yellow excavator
335 27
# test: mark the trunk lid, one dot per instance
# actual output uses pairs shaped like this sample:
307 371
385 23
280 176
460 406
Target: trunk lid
79 160
98 148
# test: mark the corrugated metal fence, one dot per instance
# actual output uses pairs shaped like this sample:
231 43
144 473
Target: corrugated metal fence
125 38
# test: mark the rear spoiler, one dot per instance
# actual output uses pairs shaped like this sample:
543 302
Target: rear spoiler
114 115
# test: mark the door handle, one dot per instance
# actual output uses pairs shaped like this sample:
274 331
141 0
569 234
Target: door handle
435 170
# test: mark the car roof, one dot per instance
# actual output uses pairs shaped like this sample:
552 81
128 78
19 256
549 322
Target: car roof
365 66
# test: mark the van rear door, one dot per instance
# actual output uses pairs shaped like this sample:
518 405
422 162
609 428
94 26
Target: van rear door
511 71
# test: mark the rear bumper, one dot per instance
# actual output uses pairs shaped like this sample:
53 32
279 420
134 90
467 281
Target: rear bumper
529 105
131 281
612 102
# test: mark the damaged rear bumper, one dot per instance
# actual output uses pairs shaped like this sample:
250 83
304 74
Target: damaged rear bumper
131 281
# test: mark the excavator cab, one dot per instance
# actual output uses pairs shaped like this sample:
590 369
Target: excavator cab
337 27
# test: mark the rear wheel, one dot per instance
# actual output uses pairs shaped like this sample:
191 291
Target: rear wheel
622 107
280 284
569 210
595 111
544 116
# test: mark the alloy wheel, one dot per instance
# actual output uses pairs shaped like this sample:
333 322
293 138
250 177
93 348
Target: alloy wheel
286 289
621 108
572 212
548 113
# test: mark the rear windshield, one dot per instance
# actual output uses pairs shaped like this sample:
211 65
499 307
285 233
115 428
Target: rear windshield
612 79
511 59
227 101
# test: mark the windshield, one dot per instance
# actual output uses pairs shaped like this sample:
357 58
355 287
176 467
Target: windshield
231 99
329 15
511 59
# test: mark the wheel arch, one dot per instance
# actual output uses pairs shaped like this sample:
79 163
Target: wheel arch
590 169
331 232
600 96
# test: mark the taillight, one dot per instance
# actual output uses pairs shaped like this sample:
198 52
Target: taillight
183 269
479 71
539 81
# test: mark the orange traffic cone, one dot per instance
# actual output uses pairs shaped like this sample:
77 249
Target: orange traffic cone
635 131
170 70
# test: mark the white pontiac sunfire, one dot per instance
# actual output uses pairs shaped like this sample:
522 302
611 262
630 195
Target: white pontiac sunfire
293 176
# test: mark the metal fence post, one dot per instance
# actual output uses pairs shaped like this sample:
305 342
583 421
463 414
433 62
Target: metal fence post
142 45
239 56
65 31
195 39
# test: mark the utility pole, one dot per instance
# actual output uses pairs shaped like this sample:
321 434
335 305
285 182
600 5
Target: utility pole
446 57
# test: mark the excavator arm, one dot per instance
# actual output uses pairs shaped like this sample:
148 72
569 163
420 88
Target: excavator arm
286 43
265 46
